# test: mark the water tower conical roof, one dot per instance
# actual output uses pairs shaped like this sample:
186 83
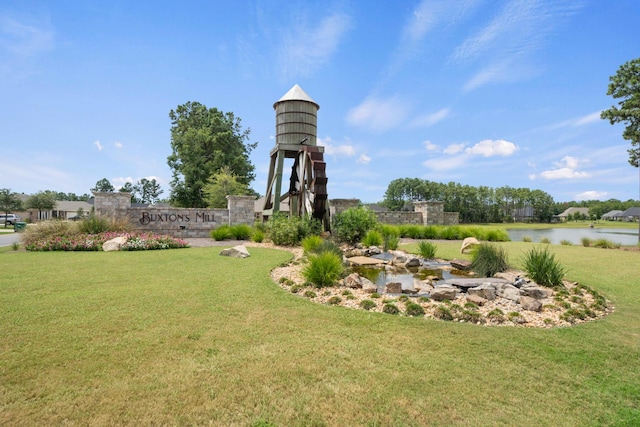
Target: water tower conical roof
296 94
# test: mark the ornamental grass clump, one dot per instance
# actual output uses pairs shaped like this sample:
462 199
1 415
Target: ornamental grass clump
323 269
372 238
241 231
427 250
221 233
311 243
543 268
489 259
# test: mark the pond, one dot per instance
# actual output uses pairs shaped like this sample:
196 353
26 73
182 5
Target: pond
624 236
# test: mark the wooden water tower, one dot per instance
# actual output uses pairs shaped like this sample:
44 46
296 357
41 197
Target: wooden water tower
296 130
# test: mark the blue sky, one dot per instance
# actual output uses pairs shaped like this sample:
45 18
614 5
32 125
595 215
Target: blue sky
490 92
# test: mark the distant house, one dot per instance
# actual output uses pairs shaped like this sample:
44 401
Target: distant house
571 212
612 215
631 214
70 210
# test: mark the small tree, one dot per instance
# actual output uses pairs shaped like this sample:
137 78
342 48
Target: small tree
9 201
42 201
103 186
625 85
352 225
222 184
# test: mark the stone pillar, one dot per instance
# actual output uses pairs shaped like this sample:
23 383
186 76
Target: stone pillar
337 206
432 212
241 209
112 205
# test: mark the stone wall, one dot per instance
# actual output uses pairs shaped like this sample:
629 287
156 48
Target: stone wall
400 218
337 206
426 213
451 218
176 222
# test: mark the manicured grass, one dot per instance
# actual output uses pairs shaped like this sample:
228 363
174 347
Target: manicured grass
186 337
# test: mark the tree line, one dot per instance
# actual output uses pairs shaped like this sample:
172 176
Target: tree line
483 204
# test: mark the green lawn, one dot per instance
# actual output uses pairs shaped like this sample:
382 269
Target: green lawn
186 337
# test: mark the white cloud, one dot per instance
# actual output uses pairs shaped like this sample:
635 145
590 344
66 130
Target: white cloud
310 43
363 159
378 114
448 163
431 119
565 169
118 144
577 121
98 145
489 148
454 149
592 195
504 46
430 146
22 39
344 150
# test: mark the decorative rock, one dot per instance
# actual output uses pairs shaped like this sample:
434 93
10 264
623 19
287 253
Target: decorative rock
368 286
363 260
239 251
444 292
114 244
476 299
510 292
399 260
460 264
410 291
468 243
412 262
353 281
374 250
535 292
530 304
393 288
486 291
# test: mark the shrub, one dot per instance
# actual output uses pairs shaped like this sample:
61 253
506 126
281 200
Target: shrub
543 268
545 240
258 236
471 316
367 304
296 288
329 246
334 300
429 232
586 242
352 224
241 232
527 239
496 315
46 230
221 233
565 243
413 309
310 243
283 231
424 299
605 244
323 269
346 292
390 309
375 295
495 235
93 224
443 313
489 259
390 236
427 250
372 238
310 294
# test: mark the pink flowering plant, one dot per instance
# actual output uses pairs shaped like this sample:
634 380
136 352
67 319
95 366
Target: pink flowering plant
94 242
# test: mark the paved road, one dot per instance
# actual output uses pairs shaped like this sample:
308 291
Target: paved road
8 239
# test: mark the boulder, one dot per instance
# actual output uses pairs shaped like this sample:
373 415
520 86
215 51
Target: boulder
368 286
353 281
476 299
114 244
485 291
363 260
393 288
412 262
444 292
460 264
468 243
530 304
536 292
510 292
239 251
374 250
